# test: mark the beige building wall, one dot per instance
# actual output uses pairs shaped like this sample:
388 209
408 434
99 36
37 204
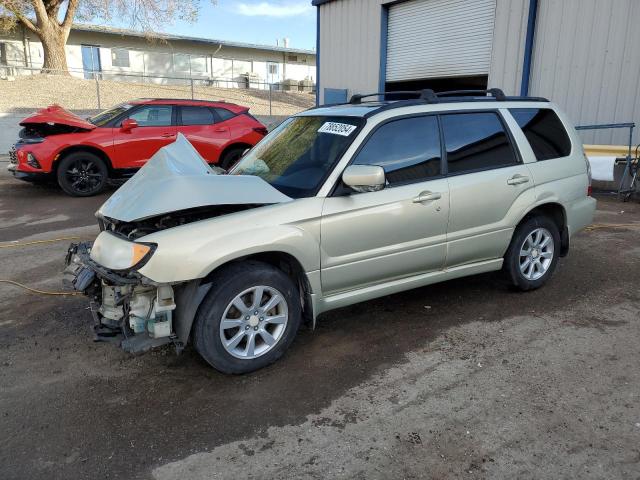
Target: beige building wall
221 62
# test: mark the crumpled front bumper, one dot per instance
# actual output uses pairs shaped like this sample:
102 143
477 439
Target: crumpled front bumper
127 309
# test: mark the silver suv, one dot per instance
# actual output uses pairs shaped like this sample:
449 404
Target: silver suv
337 205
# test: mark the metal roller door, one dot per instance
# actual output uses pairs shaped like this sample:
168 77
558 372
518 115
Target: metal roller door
439 38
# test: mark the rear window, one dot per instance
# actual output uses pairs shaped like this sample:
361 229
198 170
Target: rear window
197 116
476 141
224 114
545 132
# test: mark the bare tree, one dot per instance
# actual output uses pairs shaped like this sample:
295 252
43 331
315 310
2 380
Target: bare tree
51 20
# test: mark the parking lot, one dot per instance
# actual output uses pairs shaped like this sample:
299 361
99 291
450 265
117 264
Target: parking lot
465 379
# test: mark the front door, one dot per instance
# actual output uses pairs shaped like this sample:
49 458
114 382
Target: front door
156 128
489 186
91 61
400 231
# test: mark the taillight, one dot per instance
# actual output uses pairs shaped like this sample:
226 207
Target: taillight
261 130
589 188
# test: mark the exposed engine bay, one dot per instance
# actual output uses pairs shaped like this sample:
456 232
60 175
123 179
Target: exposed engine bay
136 229
135 314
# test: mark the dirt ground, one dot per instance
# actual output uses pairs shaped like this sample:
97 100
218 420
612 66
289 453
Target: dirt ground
464 379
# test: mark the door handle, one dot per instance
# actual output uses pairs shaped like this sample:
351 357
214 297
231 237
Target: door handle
168 135
220 130
518 179
426 196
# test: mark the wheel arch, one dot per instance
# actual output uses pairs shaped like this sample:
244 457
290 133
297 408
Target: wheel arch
557 213
189 296
82 148
231 146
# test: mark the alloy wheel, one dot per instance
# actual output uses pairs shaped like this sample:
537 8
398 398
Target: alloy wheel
83 175
536 254
254 322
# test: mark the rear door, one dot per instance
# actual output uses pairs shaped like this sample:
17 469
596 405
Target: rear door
490 187
156 128
204 129
400 231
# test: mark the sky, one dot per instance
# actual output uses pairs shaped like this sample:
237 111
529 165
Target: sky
252 21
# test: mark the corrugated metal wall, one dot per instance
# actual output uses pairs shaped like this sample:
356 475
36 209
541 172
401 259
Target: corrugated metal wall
587 59
509 35
350 46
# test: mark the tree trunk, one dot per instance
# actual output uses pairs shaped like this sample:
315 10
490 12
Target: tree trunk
55 55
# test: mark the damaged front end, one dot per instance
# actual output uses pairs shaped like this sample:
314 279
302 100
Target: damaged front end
127 308
174 188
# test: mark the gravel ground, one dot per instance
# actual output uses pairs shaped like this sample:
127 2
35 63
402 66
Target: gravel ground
29 92
465 379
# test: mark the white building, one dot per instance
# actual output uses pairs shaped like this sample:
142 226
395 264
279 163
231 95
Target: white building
581 54
128 55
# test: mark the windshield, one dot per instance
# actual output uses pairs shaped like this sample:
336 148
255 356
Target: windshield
105 117
298 155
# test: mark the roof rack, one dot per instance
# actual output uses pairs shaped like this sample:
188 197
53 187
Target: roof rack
429 96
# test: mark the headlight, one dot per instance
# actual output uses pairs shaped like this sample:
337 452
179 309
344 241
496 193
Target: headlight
117 253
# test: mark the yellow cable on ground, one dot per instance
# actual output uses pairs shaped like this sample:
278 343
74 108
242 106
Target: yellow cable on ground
596 226
35 242
40 292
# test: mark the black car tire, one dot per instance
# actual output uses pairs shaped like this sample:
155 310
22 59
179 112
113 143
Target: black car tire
227 284
230 157
82 174
512 258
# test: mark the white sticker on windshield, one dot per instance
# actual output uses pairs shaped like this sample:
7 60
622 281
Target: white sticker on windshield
335 128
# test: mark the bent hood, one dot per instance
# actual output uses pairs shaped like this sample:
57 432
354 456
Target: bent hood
56 115
177 178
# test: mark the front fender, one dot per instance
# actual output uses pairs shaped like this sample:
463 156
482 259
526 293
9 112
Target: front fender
194 250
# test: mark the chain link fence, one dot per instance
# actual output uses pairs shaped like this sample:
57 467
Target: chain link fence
28 88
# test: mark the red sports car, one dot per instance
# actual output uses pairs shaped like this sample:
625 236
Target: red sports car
83 154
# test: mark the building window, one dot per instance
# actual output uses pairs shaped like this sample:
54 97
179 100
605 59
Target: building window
273 68
181 62
292 58
120 57
199 64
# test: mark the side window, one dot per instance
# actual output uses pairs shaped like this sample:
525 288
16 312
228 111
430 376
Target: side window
224 114
408 149
153 116
196 116
476 141
544 130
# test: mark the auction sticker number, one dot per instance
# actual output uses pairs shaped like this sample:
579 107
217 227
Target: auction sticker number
335 128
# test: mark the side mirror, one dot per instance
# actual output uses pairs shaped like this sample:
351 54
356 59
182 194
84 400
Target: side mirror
128 124
364 178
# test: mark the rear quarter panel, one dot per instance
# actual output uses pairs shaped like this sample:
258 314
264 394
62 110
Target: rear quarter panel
560 180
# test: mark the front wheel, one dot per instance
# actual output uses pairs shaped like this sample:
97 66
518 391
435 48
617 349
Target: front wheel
82 174
249 318
533 253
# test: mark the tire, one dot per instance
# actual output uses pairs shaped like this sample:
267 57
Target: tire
82 174
228 284
542 259
230 157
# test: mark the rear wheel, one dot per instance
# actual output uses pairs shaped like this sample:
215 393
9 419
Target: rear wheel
249 318
533 254
230 157
82 174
